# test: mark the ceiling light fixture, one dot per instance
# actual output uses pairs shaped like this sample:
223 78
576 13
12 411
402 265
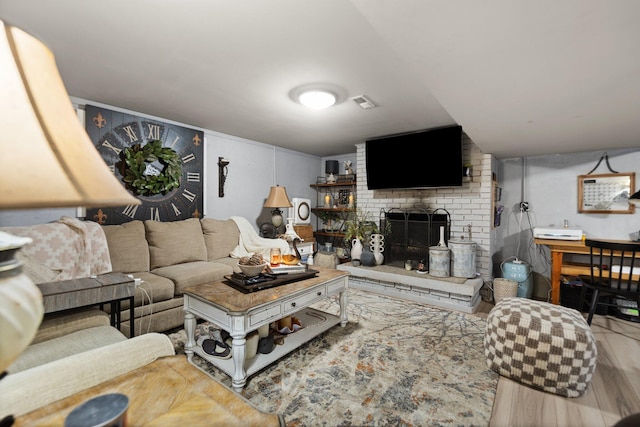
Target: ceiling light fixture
317 95
317 99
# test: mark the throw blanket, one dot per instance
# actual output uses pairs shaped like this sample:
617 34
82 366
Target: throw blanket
66 249
250 242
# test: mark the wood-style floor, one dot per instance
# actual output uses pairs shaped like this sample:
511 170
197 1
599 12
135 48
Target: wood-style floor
614 392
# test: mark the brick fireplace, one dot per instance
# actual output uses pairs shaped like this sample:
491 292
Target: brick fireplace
469 205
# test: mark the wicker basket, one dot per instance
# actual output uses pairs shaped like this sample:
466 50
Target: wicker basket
504 288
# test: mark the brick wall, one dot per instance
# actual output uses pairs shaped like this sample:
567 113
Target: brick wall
469 204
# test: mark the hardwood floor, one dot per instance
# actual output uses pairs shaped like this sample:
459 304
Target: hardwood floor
614 392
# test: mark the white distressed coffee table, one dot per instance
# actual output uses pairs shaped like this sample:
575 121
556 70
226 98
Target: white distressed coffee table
241 313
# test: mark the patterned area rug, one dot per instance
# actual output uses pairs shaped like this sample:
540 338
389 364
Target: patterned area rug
397 363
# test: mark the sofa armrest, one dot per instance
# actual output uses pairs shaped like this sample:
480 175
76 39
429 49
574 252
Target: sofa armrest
39 386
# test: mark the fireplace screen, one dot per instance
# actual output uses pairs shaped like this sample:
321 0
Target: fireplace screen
412 232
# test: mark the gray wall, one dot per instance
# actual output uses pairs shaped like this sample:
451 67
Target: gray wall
550 185
254 167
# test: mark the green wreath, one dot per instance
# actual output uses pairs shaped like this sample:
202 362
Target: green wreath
136 159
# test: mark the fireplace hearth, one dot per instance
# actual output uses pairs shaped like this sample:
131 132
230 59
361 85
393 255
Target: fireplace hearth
412 232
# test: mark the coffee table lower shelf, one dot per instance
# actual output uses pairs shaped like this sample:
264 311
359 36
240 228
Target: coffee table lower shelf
314 322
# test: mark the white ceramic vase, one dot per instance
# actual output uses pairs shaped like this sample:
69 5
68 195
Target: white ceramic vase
356 249
377 247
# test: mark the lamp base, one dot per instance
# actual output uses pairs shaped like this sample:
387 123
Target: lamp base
22 307
276 218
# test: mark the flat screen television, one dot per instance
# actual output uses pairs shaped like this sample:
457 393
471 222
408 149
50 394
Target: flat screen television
422 159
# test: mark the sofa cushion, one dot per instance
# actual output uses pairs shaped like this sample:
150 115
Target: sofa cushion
220 236
193 273
152 289
175 242
61 323
128 247
66 345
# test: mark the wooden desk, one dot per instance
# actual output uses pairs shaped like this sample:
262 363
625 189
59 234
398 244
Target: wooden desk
558 267
169 391
558 248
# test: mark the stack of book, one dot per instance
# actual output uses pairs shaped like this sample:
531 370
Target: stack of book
284 268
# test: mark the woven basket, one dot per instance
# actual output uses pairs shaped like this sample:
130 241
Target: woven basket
504 288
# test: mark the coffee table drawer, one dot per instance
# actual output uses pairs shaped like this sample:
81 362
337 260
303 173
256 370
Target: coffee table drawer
271 313
303 301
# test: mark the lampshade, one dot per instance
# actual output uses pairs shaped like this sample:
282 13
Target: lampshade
331 166
277 198
635 198
48 159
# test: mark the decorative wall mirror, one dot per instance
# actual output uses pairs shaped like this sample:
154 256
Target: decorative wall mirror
606 193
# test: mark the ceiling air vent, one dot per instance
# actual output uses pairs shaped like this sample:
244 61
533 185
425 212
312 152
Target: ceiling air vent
364 102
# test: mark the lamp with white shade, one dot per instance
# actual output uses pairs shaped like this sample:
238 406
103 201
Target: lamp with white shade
48 161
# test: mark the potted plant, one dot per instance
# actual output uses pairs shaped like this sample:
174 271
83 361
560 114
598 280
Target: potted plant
327 218
360 226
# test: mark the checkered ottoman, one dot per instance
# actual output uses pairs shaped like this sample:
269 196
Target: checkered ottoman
541 345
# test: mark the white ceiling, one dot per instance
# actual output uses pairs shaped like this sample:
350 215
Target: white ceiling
522 77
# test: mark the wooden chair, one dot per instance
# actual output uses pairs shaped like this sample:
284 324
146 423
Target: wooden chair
615 271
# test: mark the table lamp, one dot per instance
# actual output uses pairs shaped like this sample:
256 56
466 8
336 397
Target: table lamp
331 168
48 161
277 199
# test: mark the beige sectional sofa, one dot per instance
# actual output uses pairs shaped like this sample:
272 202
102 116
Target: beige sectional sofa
166 256
77 350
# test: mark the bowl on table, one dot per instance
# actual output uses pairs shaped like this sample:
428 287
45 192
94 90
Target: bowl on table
252 270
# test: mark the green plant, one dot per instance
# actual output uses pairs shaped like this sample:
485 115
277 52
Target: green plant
136 159
359 226
327 216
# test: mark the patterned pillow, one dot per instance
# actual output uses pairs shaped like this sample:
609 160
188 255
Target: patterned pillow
545 346
66 249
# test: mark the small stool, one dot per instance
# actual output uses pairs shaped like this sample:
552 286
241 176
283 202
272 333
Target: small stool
545 346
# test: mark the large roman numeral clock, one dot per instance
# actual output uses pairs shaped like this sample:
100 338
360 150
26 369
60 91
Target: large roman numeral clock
159 163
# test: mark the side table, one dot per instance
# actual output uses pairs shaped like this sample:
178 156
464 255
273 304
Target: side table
110 288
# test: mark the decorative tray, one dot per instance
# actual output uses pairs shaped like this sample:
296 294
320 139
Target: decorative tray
265 281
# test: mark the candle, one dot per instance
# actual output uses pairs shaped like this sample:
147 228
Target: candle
351 201
327 200
275 256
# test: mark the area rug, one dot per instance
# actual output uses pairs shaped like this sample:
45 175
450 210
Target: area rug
396 363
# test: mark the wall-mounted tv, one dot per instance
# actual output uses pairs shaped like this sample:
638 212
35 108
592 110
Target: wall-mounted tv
422 159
